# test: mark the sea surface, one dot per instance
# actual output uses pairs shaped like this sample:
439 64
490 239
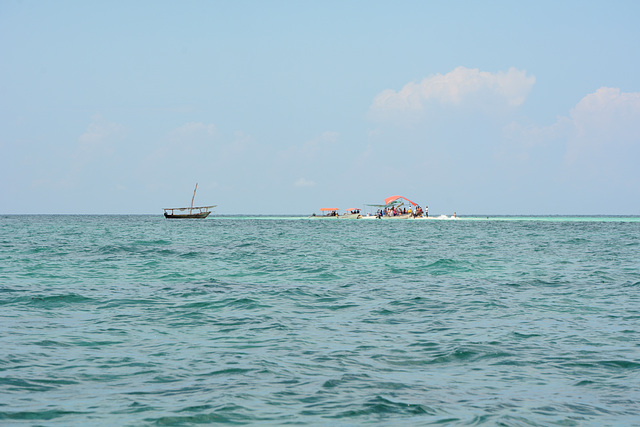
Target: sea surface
138 320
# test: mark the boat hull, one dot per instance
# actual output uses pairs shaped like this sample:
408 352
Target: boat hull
187 216
403 216
350 216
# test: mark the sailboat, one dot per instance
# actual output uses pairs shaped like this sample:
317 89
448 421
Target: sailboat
202 211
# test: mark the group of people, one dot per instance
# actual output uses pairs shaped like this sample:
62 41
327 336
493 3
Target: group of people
393 211
397 211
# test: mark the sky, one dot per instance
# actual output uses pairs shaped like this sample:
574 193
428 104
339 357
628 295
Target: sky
285 107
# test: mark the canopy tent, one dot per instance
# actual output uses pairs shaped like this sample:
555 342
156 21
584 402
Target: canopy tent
394 198
388 205
328 209
191 208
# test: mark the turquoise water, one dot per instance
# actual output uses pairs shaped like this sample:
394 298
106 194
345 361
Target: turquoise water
138 320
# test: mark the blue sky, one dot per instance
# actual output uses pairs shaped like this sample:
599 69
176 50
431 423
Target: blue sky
495 107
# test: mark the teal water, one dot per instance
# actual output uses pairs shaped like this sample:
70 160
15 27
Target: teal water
138 320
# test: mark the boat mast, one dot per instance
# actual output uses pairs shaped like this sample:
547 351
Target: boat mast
194 196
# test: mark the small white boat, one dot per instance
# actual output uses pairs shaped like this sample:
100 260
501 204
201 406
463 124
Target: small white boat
326 213
351 213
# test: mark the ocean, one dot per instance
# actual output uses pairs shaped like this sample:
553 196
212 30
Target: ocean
139 320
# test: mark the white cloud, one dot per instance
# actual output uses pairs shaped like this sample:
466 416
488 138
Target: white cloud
529 136
464 87
96 145
184 149
604 122
99 136
194 129
605 119
303 182
237 148
311 149
597 142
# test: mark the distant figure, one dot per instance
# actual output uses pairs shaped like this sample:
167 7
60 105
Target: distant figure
454 215
426 211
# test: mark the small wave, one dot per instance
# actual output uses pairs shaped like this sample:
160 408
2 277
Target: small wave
573 408
345 379
584 383
456 355
136 248
341 306
201 305
37 415
622 364
135 408
114 249
383 312
51 343
523 335
191 254
95 344
577 241
192 419
56 300
246 303
125 302
157 242
514 285
172 276
425 344
14 384
631 284
227 414
615 364
228 371
380 405
448 266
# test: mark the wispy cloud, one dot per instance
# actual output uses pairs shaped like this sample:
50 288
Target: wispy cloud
303 182
97 148
599 139
310 149
607 120
99 136
180 151
194 129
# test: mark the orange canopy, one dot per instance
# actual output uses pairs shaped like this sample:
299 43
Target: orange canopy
394 198
328 209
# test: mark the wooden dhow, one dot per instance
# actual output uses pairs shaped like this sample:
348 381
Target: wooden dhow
202 211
